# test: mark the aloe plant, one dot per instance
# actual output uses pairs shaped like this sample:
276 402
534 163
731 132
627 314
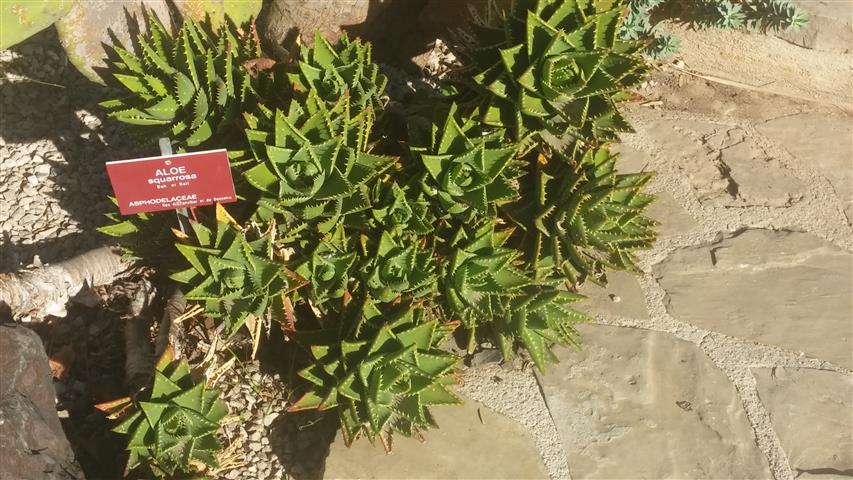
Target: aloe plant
556 69
173 431
467 166
381 370
313 158
191 87
343 69
492 215
585 216
400 266
232 274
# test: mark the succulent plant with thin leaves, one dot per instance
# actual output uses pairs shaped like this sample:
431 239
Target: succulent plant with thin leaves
465 165
233 274
555 69
579 216
335 71
191 87
757 15
382 370
173 431
312 159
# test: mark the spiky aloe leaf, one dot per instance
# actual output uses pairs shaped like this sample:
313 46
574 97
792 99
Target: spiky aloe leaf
233 274
312 159
579 216
556 68
381 370
335 71
539 318
144 236
191 87
466 166
399 266
327 271
174 426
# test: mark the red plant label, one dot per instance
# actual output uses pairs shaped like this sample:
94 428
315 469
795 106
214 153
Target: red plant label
170 182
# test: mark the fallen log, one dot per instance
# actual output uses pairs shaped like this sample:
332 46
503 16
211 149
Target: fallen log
36 293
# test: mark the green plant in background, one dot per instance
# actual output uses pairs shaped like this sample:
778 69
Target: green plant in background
345 69
381 370
192 88
555 69
644 17
173 431
499 202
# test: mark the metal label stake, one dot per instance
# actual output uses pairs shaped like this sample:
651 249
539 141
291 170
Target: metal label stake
182 213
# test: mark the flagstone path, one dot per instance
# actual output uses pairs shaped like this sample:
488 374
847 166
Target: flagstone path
730 356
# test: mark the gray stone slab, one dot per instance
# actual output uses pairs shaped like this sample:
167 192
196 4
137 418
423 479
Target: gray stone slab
822 141
463 447
780 288
622 297
811 412
642 404
673 220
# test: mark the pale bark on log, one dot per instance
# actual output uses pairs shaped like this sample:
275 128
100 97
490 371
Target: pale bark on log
170 332
46 290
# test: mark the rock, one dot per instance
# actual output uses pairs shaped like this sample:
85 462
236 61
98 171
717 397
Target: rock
283 18
33 180
768 64
442 17
497 447
626 404
822 141
725 165
484 357
31 436
672 218
760 179
830 27
620 285
780 288
91 24
796 400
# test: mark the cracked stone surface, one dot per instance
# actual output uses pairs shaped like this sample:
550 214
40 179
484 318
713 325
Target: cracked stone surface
811 412
781 288
824 142
472 442
633 395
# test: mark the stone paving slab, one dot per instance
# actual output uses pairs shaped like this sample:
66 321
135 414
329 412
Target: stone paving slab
642 404
812 412
824 141
781 288
464 447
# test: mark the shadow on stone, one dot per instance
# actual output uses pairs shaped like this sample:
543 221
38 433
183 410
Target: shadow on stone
302 441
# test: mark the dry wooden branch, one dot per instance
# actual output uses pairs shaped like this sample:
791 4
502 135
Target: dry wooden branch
45 291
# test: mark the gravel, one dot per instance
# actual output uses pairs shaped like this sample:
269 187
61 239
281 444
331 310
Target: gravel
269 442
53 144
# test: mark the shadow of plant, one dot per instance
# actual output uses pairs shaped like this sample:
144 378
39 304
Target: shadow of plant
49 109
